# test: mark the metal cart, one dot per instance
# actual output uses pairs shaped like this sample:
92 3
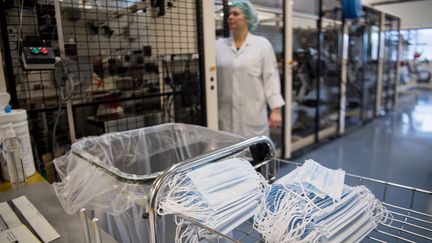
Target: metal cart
410 207
412 222
261 148
116 176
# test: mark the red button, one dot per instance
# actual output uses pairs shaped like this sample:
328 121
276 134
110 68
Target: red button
44 50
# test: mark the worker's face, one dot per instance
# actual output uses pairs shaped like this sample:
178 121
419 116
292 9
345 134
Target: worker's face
236 19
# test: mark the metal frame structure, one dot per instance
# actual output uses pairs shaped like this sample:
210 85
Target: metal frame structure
398 65
380 66
320 40
209 63
343 85
362 68
288 50
390 64
58 17
321 134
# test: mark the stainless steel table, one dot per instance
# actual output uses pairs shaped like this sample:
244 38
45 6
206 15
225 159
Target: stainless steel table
44 199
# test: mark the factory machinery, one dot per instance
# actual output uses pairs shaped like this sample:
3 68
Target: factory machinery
84 68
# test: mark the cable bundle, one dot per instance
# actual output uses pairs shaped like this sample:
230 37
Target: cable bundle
299 212
221 196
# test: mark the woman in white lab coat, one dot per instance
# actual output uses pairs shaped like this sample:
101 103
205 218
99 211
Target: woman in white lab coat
248 77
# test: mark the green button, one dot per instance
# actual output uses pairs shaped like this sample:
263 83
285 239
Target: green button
35 50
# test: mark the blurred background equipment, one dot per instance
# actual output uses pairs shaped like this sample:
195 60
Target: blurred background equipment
124 65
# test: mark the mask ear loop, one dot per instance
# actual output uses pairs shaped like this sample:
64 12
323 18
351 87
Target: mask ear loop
315 206
305 196
179 233
180 195
262 220
290 203
180 198
306 205
185 233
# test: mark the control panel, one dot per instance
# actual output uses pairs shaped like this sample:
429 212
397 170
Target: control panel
38 58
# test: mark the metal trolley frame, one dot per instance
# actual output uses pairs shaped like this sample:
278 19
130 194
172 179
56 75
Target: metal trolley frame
409 224
261 146
264 150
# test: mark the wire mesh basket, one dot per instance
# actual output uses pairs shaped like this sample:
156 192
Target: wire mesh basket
410 207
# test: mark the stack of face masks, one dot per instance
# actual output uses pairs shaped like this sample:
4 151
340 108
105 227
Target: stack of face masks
312 204
220 195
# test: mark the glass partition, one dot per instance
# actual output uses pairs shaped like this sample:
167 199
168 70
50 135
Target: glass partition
362 68
391 45
316 72
330 69
304 77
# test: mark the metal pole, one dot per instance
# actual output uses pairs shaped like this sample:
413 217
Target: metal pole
63 57
320 40
399 50
364 63
380 66
343 80
288 46
208 59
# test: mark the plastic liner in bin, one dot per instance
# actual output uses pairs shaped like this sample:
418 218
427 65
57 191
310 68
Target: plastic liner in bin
112 173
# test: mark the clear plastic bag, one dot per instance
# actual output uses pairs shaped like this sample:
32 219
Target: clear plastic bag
112 173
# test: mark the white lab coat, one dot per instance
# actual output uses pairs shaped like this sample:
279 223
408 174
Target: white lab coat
248 81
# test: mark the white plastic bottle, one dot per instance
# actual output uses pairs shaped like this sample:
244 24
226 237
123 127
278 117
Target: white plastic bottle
18 118
12 151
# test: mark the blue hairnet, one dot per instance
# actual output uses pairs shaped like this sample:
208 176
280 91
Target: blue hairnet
248 11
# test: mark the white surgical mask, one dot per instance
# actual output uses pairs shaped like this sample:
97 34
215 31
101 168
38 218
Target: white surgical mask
221 195
358 227
326 181
291 213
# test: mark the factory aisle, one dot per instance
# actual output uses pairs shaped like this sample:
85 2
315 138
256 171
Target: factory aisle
395 148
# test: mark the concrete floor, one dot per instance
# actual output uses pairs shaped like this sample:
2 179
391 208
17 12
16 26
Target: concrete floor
395 148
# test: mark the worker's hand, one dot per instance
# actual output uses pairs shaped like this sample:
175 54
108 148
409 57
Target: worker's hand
275 119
